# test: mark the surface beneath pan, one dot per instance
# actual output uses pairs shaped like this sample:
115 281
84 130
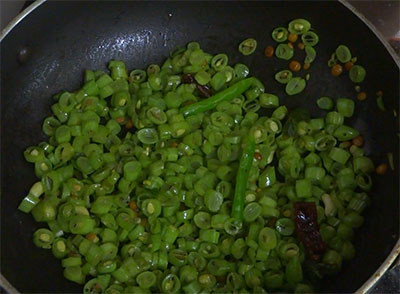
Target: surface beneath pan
64 38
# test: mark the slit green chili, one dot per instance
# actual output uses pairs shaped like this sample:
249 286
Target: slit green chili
225 95
242 176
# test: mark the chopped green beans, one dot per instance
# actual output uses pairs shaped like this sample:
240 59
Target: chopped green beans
339 155
219 61
241 71
148 136
343 53
295 86
344 133
325 103
146 280
251 211
153 69
345 107
283 76
285 226
310 39
202 77
267 239
299 26
156 115
380 103
213 200
283 51
43 238
280 34
311 54
357 74
169 180
248 46
333 60
268 100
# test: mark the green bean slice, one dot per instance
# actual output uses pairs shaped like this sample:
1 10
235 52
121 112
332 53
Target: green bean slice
137 76
310 39
325 103
280 34
147 136
299 26
295 86
283 76
248 46
283 51
311 54
357 74
343 53
219 61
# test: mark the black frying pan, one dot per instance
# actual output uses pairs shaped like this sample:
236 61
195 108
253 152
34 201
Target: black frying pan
64 38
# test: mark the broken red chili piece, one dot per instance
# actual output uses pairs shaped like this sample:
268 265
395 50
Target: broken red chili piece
257 156
188 79
204 91
307 229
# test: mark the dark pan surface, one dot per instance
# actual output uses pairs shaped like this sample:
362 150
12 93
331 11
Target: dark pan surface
67 37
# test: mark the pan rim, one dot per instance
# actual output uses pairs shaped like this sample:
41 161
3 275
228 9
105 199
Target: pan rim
373 28
16 20
387 263
367 285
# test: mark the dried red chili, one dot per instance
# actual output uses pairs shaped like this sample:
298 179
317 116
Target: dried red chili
307 229
188 79
257 156
204 91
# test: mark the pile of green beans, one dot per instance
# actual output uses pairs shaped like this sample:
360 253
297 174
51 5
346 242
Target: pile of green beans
302 28
147 188
342 55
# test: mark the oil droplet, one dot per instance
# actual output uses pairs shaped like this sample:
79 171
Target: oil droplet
24 55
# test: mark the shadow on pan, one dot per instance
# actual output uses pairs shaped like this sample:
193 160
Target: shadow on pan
64 38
